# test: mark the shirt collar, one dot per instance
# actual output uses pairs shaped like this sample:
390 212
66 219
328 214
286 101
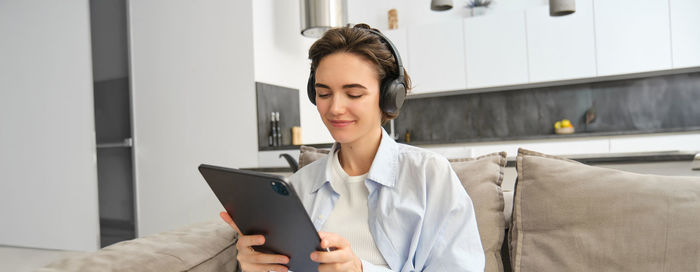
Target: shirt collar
384 167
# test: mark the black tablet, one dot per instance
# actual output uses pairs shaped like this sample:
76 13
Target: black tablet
265 204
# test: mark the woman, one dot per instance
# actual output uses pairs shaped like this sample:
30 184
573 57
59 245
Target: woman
383 206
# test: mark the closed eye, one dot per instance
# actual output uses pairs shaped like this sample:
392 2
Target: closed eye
322 90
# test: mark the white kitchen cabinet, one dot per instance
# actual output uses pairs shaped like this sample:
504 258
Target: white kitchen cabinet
496 50
685 32
399 37
682 141
632 36
561 48
436 57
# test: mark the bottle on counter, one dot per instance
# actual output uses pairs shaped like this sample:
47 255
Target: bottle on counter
407 136
278 129
271 136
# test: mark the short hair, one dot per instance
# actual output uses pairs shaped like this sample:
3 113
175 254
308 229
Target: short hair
361 42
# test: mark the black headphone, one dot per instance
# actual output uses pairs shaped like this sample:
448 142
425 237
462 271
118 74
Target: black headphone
392 91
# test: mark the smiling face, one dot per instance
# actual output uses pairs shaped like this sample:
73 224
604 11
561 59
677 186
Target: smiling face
347 97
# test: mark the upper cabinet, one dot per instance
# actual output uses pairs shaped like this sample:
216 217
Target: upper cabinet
602 38
685 33
436 57
561 48
399 38
496 50
632 36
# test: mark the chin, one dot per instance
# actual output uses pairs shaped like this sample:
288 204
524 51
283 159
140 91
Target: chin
342 136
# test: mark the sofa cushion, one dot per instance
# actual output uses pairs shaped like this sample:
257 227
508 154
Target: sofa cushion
568 216
208 246
482 178
308 154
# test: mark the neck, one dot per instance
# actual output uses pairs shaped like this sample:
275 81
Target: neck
356 157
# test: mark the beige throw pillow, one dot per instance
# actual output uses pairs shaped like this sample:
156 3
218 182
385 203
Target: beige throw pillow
482 178
572 217
309 154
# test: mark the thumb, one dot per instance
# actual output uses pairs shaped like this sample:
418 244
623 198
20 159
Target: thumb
332 240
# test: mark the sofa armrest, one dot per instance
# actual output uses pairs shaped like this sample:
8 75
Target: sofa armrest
208 246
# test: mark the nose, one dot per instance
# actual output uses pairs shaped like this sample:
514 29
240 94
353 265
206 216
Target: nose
337 106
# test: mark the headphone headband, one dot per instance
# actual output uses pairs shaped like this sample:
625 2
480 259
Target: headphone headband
392 48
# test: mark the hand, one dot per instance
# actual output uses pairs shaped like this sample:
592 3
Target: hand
249 259
340 259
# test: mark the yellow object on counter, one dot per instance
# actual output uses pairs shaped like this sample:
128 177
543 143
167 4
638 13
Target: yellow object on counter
296 135
565 123
563 127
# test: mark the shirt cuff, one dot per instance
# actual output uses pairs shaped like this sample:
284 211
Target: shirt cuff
370 267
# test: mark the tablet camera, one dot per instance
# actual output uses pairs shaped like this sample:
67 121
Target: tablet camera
279 188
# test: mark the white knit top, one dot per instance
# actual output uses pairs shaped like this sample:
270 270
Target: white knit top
349 217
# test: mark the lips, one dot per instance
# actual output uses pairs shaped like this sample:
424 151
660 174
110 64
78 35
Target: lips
340 123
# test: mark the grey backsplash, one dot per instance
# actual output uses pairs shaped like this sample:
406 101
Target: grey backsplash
630 106
272 98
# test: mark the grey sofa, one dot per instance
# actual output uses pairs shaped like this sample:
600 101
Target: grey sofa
563 216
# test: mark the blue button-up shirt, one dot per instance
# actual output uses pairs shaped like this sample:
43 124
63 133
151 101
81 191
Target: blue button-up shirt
420 216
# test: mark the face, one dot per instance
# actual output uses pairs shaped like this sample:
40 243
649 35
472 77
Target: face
347 97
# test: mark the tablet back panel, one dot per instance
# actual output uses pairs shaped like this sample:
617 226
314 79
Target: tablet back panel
265 204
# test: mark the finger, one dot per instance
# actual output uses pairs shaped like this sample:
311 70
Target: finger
263 258
331 267
332 240
251 240
337 256
265 267
227 218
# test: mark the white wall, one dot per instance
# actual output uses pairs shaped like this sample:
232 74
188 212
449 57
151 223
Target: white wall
193 102
48 174
281 58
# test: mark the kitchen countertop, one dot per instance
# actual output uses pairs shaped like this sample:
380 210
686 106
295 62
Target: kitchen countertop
553 136
500 139
293 147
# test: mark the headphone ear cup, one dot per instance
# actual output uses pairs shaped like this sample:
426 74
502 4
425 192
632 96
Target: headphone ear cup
394 94
311 88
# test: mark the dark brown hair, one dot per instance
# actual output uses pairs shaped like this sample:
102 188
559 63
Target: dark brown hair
357 40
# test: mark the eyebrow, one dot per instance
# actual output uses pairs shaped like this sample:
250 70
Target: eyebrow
346 86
